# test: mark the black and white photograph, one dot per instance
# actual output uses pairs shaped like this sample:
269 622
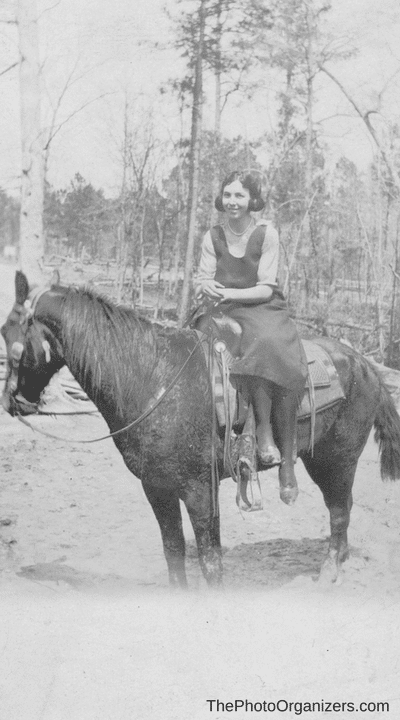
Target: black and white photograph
199 359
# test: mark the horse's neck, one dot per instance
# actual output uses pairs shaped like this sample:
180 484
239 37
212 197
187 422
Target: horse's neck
113 369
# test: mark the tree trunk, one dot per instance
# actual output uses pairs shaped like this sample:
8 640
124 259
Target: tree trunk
309 169
121 263
142 258
194 169
392 353
31 247
217 114
160 230
310 55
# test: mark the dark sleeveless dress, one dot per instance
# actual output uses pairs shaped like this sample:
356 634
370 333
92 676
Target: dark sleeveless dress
270 346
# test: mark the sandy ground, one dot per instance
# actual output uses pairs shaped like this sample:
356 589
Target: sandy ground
89 629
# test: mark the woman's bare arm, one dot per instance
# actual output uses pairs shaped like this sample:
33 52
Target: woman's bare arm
258 293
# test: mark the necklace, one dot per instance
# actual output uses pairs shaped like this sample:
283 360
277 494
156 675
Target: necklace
238 234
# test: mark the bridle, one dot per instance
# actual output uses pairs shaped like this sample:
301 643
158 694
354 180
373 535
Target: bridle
26 312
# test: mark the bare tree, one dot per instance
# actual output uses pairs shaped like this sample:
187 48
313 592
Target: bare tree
366 118
31 248
194 167
56 123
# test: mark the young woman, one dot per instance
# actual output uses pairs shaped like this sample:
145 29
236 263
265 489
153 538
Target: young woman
238 269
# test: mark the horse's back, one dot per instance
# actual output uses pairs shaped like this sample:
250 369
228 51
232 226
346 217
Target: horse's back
352 367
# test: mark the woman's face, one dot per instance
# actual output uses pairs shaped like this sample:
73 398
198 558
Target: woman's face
235 200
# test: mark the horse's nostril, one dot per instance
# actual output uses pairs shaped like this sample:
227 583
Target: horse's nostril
6 402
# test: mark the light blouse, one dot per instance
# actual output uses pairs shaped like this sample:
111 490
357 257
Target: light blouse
267 267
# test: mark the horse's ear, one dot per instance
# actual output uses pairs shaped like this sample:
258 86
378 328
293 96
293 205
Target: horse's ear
21 287
55 278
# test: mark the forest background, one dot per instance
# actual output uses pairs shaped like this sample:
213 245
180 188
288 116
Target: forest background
303 92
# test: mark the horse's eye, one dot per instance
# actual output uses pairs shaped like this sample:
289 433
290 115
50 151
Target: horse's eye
3 331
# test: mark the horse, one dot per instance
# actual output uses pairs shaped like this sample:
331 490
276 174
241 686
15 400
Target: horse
152 386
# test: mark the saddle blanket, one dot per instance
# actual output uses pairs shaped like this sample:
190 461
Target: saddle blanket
323 388
323 380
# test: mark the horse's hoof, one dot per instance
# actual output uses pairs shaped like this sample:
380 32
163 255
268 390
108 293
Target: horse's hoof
289 495
270 456
328 580
330 573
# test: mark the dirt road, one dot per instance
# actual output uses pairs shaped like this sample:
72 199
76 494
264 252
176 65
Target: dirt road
89 629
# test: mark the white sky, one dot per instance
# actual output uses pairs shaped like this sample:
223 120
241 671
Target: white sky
111 42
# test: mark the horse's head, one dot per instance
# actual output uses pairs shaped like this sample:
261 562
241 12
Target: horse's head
34 353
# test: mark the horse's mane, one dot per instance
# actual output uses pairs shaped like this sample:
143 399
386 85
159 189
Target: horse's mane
110 349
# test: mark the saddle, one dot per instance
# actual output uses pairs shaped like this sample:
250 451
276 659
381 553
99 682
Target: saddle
323 388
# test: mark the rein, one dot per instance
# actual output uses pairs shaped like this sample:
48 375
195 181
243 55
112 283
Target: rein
29 312
132 424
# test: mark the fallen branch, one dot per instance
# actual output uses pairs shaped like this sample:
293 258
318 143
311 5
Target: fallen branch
351 326
372 352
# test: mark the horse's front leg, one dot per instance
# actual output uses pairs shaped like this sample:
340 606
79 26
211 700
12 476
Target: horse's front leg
165 504
197 497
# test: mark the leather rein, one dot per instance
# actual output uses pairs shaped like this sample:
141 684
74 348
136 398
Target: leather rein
29 308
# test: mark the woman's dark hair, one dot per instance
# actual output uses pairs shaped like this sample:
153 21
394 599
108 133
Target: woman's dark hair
250 182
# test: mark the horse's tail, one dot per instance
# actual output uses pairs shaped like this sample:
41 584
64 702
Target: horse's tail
387 435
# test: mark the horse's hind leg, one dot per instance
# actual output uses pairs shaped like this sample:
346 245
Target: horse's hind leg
166 508
335 479
197 498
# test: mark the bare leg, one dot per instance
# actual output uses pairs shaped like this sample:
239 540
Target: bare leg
285 416
261 398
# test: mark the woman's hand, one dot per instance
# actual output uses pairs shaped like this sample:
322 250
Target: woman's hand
212 289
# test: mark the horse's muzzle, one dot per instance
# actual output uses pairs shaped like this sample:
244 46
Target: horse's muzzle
18 405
